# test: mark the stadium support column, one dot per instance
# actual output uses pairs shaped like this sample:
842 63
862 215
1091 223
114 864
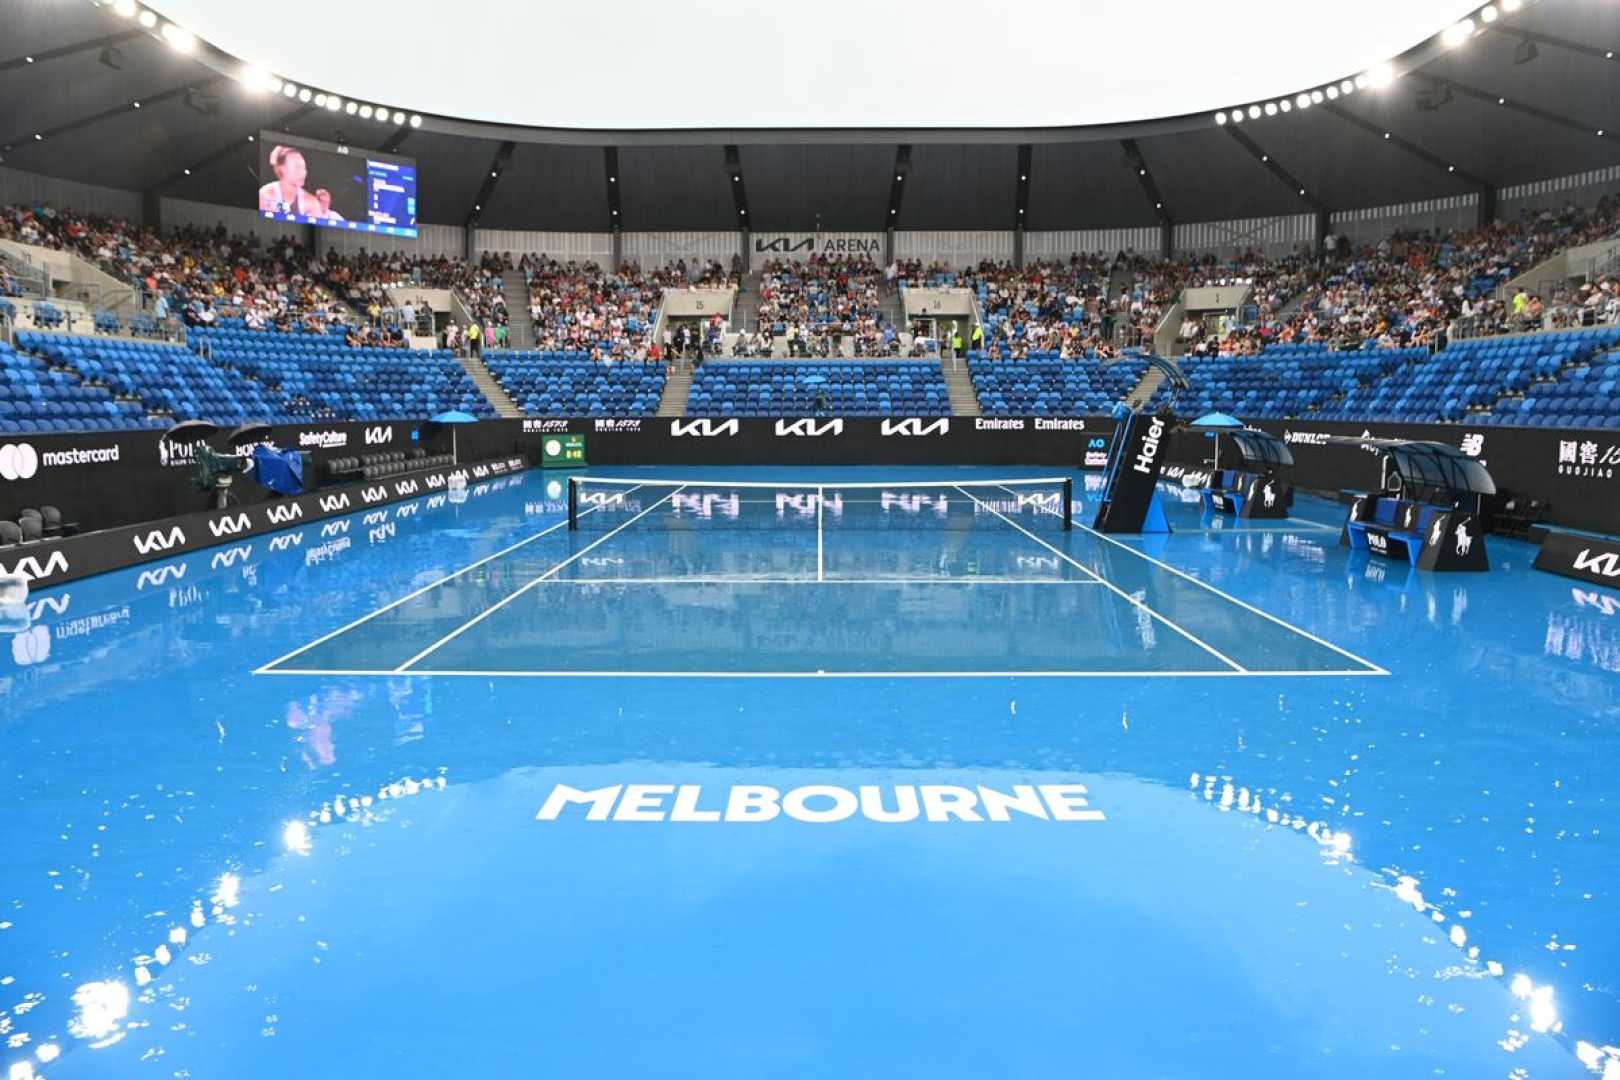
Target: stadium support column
739 188
152 210
615 223
1025 154
1487 206
1321 222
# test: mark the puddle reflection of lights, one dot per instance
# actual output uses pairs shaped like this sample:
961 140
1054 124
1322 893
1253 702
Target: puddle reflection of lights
102 1006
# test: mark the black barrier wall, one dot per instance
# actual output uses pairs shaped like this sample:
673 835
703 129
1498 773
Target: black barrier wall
52 562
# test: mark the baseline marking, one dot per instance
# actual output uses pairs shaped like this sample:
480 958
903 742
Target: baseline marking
821 581
260 670
1111 587
391 673
493 608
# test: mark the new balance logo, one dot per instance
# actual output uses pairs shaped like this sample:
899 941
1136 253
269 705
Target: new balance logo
282 543
379 436
809 427
30 568
282 513
1605 565
157 540
705 428
230 526
405 487
161 576
374 494
915 426
331 504
230 557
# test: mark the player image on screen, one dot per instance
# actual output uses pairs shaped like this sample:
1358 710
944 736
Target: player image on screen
315 183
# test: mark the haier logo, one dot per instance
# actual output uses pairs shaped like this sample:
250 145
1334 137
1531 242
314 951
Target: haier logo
230 526
1604 565
1150 447
704 428
157 540
379 436
823 804
405 487
912 426
231 557
18 461
372 494
285 512
161 576
30 568
331 504
808 427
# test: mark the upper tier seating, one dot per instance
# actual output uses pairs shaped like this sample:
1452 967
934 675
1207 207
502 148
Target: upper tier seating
847 388
165 377
326 379
36 398
1046 385
571 384
1282 380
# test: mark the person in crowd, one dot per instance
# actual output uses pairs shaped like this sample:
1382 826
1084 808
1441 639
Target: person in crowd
286 194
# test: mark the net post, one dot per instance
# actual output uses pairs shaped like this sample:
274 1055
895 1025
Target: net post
573 504
1068 504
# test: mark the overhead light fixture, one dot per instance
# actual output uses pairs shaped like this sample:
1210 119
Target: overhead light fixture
1386 134
187 172
1220 118
1285 105
289 90
1303 101
179 38
320 101
38 137
135 104
1457 33
399 118
1361 81
304 95
254 79
147 19
126 8
1265 157
1525 51
1381 76
112 56
365 112
333 103
416 120
1271 108
1510 6
381 114
1347 87
351 108
1332 93
1487 14
1236 116
28 59
1316 97
1254 112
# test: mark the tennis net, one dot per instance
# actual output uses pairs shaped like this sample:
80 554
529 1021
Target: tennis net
601 503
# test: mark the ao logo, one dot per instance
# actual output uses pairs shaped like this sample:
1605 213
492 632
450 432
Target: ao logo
32 646
18 461
378 436
1606 565
1464 541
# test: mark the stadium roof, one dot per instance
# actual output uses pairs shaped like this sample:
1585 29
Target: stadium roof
1530 95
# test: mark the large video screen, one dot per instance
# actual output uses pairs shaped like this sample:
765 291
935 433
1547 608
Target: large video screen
317 183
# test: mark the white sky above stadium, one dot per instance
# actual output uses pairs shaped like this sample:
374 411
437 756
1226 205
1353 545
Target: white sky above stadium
637 64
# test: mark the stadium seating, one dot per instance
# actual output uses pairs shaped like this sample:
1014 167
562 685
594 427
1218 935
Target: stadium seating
571 384
1046 385
1284 380
36 397
848 388
323 378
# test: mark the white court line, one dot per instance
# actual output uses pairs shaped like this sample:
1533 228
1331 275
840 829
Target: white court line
1111 587
821 581
493 608
1124 674
426 588
1376 670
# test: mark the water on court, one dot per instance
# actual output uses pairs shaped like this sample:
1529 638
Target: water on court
291 806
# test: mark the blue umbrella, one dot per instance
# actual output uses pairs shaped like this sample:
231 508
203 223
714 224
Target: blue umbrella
813 380
1217 419
455 416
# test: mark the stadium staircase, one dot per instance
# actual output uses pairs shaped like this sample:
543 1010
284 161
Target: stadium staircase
894 309
677 388
493 391
1144 390
959 383
745 311
519 327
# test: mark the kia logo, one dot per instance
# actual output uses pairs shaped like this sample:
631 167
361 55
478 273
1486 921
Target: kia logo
377 436
157 540
914 426
284 513
30 568
705 428
332 503
230 526
809 427
18 461
1606 564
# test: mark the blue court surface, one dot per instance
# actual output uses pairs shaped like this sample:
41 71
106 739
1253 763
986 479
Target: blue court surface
901 780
